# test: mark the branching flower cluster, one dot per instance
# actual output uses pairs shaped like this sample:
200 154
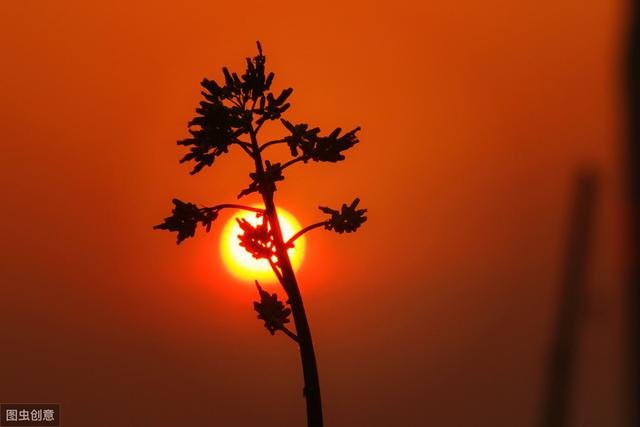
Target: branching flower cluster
232 114
318 148
238 108
185 218
223 116
348 219
257 240
271 310
264 181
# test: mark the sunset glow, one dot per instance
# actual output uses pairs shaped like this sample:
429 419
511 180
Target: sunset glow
241 263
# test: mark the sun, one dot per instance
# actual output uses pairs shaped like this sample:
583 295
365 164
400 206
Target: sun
242 264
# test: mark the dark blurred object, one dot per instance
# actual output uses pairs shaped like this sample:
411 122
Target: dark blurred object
633 167
561 362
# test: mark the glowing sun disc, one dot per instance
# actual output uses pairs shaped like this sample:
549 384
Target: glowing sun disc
241 263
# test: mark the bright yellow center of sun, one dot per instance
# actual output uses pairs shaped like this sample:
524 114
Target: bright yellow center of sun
241 263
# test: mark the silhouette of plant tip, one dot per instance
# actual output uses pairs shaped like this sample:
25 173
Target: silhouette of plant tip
230 115
224 115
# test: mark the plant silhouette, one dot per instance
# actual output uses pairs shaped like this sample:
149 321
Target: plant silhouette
238 109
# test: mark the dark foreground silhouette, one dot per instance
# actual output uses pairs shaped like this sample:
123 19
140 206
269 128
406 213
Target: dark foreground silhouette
632 97
229 114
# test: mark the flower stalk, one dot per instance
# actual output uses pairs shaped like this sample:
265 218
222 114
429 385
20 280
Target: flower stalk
241 107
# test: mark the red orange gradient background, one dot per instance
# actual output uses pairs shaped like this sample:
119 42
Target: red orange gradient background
475 116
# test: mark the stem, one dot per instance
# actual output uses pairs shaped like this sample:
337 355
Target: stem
258 127
293 161
277 141
562 358
244 146
289 333
307 354
235 206
632 92
304 230
241 142
274 267
290 285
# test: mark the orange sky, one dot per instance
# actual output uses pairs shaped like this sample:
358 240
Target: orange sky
475 117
